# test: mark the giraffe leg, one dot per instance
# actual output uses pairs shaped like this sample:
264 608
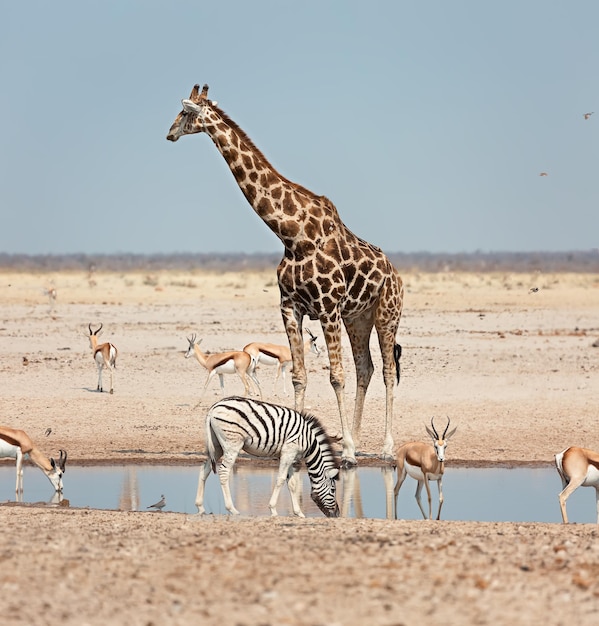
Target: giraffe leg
293 328
332 335
359 337
386 335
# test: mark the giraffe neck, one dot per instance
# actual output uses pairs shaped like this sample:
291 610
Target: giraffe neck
293 213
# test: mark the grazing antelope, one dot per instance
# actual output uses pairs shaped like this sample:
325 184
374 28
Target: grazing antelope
15 444
232 362
51 293
104 355
577 467
424 463
274 354
268 430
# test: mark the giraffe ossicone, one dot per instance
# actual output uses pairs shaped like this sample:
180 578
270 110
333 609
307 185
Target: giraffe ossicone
327 273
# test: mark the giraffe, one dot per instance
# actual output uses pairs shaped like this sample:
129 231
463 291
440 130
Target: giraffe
327 273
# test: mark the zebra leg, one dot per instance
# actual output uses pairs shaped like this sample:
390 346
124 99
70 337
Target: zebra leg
204 473
288 458
230 452
294 484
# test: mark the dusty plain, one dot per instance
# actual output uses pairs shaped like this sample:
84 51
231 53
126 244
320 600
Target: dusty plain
508 356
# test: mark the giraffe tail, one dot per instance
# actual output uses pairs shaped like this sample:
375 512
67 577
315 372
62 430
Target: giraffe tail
396 357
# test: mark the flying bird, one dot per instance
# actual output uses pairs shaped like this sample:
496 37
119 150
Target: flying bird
543 174
587 115
158 505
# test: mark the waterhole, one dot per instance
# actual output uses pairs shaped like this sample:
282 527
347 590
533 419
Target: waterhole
482 494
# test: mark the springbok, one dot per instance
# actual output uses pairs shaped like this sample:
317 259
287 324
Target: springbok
232 362
577 467
104 355
424 462
15 444
275 354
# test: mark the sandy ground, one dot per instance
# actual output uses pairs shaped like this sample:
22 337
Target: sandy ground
508 357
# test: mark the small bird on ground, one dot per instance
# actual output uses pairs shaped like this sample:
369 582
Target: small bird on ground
158 505
533 290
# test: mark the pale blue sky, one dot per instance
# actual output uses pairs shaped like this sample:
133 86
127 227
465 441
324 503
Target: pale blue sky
426 123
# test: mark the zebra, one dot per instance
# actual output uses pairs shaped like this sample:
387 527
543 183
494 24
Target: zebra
263 429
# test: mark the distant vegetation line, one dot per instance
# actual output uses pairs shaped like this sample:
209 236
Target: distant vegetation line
578 261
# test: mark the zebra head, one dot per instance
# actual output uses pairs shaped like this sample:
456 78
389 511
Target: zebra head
324 492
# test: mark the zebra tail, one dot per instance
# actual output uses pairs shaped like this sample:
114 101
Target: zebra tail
210 444
396 357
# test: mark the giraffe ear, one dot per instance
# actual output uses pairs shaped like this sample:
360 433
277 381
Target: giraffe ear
191 107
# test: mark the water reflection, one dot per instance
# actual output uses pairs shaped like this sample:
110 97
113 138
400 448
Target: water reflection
488 494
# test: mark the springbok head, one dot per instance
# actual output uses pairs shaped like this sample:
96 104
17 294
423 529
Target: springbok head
95 332
440 442
93 335
58 469
192 342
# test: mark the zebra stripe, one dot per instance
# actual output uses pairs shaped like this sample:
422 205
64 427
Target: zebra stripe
264 430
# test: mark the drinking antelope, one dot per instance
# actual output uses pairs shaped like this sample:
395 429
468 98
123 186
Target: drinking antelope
424 462
275 354
269 430
104 355
15 444
577 467
232 362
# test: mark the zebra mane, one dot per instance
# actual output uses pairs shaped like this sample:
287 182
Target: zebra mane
321 434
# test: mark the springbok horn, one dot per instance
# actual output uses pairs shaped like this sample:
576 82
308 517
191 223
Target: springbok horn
91 332
434 429
446 428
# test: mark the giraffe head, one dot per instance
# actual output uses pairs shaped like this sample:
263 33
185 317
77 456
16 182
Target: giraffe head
191 118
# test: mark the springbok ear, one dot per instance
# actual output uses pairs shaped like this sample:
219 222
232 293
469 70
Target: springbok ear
333 473
450 434
431 433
